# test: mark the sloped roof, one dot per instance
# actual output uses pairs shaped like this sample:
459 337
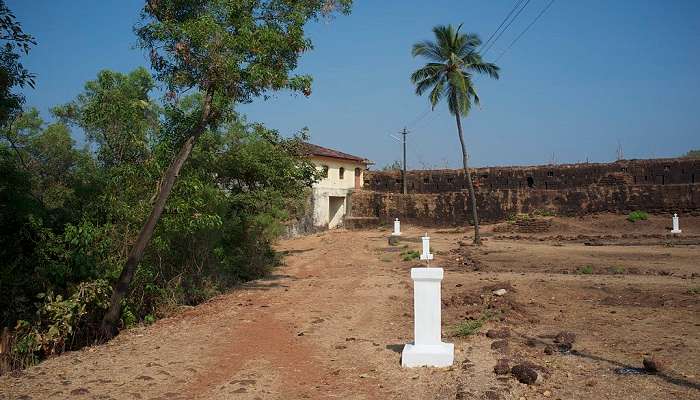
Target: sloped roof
320 151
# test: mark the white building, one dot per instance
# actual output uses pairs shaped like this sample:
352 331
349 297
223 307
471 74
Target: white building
342 173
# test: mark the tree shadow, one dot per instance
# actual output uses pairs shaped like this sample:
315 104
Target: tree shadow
620 365
294 251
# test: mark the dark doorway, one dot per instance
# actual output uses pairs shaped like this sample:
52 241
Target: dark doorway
530 182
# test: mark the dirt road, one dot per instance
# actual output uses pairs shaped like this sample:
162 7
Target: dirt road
332 321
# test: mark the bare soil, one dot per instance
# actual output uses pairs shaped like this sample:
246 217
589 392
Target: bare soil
332 321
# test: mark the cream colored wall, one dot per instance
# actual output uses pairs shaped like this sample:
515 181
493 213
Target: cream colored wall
333 181
333 186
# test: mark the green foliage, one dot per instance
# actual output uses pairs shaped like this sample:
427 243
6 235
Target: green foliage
69 216
394 166
543 213
692 154
694 290
13 42
585 270
471 327
409 255
63 322
616 270
635 216
237 50
453 60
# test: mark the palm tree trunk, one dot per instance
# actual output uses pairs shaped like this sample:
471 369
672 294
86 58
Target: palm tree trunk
108 327
470 185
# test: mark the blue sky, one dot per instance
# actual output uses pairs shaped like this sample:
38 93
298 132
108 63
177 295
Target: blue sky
587 76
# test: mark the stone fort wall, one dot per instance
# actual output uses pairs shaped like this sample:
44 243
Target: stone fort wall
547 177
440 197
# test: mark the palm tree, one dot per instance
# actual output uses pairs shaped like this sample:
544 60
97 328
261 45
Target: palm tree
453 60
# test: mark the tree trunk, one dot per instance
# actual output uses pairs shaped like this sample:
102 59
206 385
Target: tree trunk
108 328
472 195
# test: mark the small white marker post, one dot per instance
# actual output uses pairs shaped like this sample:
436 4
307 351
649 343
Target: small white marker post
425 255
397 228
427 350
676 224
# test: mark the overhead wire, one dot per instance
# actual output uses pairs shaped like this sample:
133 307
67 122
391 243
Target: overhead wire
544 10
486 50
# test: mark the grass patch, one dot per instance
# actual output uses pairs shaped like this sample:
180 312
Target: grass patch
585 270
635 216
409 255
472 326
543 213
616 270
694 290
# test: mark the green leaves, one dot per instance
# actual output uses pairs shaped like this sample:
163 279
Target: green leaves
237 49
453 60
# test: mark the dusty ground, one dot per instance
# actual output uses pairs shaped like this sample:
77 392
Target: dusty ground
332 321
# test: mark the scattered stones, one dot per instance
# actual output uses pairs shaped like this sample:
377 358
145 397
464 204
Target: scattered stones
491 395
547 393
524 373
79 391
548 350
499 345
502 367
653 364
565 340
498 333
500 292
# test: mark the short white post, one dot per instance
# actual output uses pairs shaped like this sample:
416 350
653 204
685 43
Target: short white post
397 227
676 224
425 255
428 348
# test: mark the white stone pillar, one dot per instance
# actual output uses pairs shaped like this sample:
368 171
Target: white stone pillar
425 255
428 348
397 228
676 224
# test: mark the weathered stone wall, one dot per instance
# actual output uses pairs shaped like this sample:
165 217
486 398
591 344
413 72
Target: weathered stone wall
452 208
547 177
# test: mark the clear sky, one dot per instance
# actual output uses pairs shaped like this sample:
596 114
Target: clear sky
587 76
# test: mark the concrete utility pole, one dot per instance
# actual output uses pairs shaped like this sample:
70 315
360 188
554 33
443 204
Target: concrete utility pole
404 132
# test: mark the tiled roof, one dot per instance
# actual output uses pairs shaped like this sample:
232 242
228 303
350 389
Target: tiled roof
316 150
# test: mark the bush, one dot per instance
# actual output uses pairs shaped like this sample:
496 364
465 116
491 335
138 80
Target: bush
585 270
62 323
635 216
409 255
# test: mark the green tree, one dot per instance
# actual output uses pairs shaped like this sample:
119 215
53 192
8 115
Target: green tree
453 60
231 52
13 42
394 166
117 115
692 154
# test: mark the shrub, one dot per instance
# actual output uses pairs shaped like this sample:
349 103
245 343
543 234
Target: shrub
471 327
585 270
635 216
467 328
62 323
409 255
616 270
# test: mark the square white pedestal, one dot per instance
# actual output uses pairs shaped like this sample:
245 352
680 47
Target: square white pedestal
433 355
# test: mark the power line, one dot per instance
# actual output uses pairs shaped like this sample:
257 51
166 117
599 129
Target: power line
505 28
502 22
544 10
